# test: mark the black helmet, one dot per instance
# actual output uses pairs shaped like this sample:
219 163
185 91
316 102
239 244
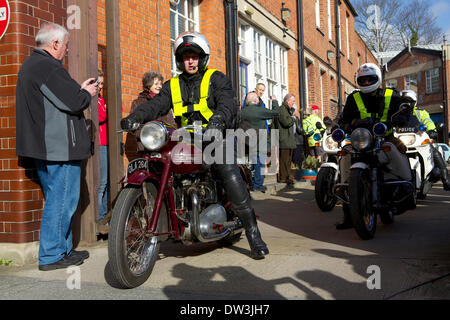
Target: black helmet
191 41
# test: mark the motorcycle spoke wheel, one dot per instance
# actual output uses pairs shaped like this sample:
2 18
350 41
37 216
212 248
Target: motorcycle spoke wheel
139 247
132 252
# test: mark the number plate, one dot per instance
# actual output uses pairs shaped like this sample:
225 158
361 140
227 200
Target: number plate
406 130
137 164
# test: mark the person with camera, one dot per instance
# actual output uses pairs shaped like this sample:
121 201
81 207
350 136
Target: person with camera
51 130
424 118
216 110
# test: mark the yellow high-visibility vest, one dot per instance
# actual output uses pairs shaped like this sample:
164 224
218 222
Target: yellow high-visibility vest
179 110
363 111
362 108
424 118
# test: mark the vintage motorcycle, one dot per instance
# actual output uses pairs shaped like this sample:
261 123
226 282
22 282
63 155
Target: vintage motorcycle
168 193
380 179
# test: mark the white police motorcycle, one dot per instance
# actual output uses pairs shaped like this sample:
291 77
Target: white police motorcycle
328 176
420 154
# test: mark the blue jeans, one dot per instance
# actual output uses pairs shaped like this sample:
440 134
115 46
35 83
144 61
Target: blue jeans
258 168
103 188
60 182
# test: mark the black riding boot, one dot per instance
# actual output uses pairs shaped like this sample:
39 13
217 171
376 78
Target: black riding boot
347 223
439 162
237 192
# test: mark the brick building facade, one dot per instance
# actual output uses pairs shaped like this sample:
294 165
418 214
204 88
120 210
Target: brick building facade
145 31
422 69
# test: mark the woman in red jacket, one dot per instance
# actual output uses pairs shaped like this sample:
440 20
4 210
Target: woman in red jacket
103 189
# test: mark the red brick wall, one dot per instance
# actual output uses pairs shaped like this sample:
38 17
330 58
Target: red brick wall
21 199
408 60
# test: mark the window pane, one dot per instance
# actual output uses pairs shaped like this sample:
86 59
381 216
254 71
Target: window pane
173 28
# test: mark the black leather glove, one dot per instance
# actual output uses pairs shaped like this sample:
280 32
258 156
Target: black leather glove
319 125
433 134
130 123
214 129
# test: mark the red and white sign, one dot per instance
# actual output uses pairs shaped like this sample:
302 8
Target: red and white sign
5 15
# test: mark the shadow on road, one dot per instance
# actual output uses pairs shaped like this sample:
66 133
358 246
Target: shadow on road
224 283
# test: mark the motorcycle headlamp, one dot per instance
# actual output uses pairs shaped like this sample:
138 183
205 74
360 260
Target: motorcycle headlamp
338 135
330 144
154 135
408 139
361 139
379 129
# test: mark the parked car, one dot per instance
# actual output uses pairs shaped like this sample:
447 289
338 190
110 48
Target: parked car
445 149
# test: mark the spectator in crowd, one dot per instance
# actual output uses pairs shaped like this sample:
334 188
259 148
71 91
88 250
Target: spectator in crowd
285 124
314 125
51 130
103 188
152 84
257 116
297 157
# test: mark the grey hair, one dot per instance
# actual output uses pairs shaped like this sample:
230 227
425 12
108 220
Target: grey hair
50 32
287 97
252 98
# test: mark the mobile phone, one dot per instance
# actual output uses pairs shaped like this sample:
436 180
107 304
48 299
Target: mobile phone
94 81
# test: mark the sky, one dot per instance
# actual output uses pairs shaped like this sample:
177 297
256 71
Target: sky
441 10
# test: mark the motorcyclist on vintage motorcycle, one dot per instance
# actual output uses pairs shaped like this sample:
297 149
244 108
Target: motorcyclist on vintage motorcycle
217 111
367 104
424 118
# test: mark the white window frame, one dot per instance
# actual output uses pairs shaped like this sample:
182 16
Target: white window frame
317 9
330 31
242 40
339 23
431 76
409 81
194 19
392 83
348 36
267 63
257 53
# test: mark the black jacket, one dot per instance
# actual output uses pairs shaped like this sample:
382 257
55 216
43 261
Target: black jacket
373 103
50 124
221 99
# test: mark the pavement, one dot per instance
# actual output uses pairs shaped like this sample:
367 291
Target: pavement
309 260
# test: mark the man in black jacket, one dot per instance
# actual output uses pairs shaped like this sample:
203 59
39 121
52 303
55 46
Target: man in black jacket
51 129
204 95
364 107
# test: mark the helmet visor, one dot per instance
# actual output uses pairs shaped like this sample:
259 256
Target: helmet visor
365 81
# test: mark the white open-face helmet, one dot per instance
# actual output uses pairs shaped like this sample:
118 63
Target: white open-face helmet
410 96
191 41
368 77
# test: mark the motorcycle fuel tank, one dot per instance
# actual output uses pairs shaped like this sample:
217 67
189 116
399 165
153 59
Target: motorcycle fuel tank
186 158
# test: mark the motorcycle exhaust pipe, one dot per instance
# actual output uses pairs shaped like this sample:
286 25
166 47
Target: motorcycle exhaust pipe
195 222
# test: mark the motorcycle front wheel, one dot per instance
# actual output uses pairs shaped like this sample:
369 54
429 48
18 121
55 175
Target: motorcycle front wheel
362 212
132 253
323 189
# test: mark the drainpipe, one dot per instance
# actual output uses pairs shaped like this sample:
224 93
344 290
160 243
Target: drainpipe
301 58
231 37
338 54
